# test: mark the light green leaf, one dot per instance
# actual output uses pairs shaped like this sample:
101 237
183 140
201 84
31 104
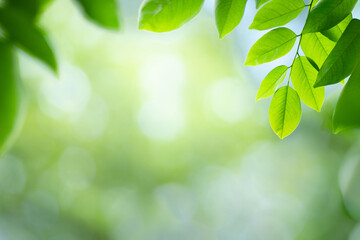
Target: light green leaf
327 14
9 97
303 76
103 12
271 46
335 33
167 15
277 13
32 8
260 2
228 15
285 111
27 36
271 82
347 110
341 61
317 47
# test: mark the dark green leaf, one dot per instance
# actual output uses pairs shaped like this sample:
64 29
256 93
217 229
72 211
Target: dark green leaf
27 36
285 111
271 46
228 15
335 33
103 12
277 13
317 47
303 76
347 111
167 15
341 61
327 14
271 82
313 63
9 97
32 8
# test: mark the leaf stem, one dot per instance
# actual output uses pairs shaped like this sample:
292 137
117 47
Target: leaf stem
300 35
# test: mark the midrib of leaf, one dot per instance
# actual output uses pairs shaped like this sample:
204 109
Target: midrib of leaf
277 46
284 115
307 78
322 46
271 19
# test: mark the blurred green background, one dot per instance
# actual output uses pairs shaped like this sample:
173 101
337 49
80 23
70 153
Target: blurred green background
158 137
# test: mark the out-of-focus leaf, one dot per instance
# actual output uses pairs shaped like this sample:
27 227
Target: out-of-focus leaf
327 14
303 76
27 36
334 33
271 46
317 47
347 111
260 2
228 15
341 61
32 8
9 97
271 82
103 12
277 13
285 111
167 15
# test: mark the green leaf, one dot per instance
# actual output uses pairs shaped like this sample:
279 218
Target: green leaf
167 15
317 47
260 2
271 46
277 13
271 82
341 61
285 111
228 14
314 2
27 36
313 64
303 76
103 12
327 14
347 110
9 97
335 33
32 8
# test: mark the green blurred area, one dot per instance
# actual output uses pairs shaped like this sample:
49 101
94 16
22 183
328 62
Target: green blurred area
148 136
